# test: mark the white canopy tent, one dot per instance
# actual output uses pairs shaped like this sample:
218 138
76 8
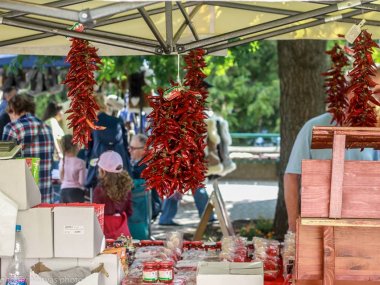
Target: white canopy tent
41 27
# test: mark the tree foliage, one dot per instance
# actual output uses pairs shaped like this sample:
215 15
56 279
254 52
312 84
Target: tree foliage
246 87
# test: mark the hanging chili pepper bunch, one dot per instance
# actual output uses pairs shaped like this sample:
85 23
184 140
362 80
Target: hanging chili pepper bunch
175 149
80 80
336 85
360 112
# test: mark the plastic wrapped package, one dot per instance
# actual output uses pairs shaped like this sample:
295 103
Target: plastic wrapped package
174 243
268 251
186 277
234 249
152 252
289 253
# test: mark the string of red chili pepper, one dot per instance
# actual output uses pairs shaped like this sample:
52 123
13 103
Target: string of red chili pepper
175 149
360 111
336 85
80 80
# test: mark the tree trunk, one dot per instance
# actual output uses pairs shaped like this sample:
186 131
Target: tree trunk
301 63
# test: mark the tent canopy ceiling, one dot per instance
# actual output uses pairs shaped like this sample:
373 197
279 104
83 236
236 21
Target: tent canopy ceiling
42 27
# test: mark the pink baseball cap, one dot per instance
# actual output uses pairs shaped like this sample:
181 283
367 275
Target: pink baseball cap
111 161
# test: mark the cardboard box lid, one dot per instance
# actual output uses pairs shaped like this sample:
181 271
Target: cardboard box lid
8 216
230 268
17 182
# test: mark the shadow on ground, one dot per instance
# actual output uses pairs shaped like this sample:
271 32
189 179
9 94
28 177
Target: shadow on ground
241 213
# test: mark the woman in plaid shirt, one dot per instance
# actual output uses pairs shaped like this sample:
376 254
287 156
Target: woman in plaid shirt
35 137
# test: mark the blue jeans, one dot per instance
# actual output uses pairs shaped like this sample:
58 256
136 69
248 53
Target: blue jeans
170 206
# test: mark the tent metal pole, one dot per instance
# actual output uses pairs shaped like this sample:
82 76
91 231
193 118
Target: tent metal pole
188 20
269 25
169 26
371 7
109 35
29 8
138 15
185 23
152 27
248 7
110 10
55 4
275 33
79 35
288 12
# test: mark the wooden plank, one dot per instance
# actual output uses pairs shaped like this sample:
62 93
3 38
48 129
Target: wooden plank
368 223
360 192
203 222
328 256
357 253
322 137
337 176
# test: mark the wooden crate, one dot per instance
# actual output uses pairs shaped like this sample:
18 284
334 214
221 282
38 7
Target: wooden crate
331 247
341 253
360 189
337 188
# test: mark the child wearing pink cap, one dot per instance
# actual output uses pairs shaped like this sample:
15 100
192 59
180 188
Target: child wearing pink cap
114 191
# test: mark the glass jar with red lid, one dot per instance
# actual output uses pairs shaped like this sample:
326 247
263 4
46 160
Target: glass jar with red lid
150 272
166 272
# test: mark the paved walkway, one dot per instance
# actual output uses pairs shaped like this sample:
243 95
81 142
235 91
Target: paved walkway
244 200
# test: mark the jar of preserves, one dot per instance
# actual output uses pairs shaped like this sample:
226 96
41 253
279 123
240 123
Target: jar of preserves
166 272
150 272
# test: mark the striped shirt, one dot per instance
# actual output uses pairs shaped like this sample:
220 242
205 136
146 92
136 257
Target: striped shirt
37 141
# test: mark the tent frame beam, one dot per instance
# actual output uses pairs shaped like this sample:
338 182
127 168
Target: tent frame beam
169 26
153 29
183 26
79 35
188 20
269 25
275 33
55 4
97 17
42 10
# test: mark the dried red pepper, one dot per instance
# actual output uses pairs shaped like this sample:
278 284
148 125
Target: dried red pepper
336 85
361 112
80 80
175 149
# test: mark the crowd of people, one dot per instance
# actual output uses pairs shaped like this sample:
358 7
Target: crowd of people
107 172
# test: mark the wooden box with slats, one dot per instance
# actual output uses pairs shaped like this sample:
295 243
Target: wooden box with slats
338 233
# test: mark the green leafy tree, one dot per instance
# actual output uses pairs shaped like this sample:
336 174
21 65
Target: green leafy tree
246 87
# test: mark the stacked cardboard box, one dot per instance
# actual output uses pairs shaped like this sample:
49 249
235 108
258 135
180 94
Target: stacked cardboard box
56 238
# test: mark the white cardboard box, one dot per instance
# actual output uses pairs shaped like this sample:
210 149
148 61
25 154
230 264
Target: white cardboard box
37 229
35 279
112 266
77 232
17 182
8 215
227 273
